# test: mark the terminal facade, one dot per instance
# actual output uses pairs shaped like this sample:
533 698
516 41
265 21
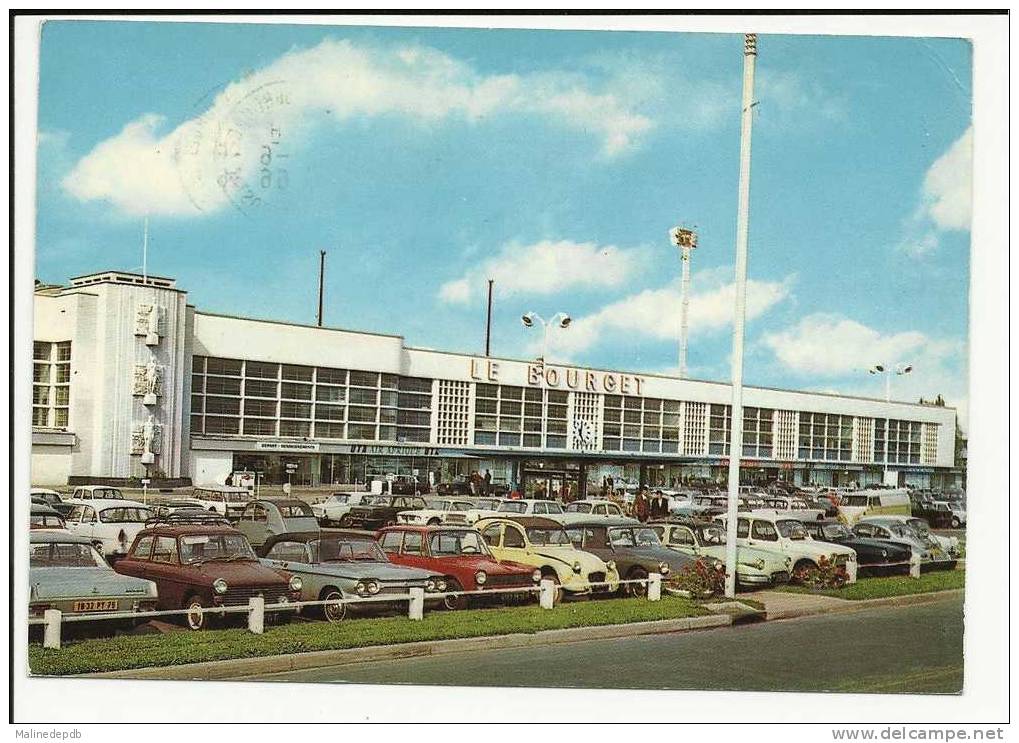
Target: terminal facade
130 381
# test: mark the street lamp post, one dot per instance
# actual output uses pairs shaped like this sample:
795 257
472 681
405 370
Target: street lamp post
739 314
686 241
559 320
898 370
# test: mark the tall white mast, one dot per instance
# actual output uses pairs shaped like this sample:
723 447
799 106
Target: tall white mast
686 241
145 251
742 235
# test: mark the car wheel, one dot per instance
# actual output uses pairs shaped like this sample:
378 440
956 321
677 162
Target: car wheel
345 520
196 618
434 522
333 612
802 566
637 590
454 603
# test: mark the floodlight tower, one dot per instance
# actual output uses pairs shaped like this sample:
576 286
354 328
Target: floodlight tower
686 241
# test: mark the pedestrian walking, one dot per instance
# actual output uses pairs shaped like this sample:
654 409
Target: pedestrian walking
641 506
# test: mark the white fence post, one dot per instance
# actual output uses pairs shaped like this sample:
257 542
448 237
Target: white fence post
914 565
256 615
416 610
654 587
51 630
546 599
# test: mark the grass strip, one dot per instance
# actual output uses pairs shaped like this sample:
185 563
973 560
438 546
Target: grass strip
892 585
176 648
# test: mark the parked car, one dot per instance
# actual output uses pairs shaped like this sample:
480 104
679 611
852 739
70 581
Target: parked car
872 555
913 532
93 492
203 566
407 485
632 548
66 572
795 507
585 510
226 500
333 510
958 511
44 517
263 518
483 508
460 555
380 510
543 543
549 509
755 566
825 501
340 564
874 502
438 511
166 508
51 498
458 486
110 525
775 531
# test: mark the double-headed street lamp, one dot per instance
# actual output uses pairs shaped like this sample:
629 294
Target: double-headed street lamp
559 320
898 370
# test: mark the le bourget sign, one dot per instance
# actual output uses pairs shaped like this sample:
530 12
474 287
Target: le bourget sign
561 377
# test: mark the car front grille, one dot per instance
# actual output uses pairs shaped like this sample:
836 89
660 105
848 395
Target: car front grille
598 577
508 581
780 577
456 518
240 596
841 559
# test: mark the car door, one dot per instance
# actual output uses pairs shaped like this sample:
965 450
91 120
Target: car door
514 544
681 538
254 523
412 552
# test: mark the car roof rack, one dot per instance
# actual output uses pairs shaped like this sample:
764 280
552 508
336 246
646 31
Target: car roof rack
196 518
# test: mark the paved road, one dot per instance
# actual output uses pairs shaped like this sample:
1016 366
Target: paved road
904 649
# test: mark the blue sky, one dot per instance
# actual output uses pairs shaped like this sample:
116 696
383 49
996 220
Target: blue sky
425 160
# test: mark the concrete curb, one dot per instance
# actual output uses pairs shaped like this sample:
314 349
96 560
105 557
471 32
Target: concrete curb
846 605
243 667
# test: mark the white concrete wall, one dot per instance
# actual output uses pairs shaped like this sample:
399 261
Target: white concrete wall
51 465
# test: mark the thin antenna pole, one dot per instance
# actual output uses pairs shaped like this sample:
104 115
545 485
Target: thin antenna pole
742 239
321 282
145 252
488 321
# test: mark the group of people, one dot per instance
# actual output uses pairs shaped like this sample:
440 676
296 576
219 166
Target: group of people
650 507
480 485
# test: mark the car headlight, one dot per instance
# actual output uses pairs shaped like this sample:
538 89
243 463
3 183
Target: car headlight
480 577
296 583
219 586
663 568
430 586
536 576
441 586
361 588
374 587
577 567
757 564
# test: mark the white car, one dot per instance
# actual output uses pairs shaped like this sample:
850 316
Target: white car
483 508
110 525
950 545
794 507
439 511
226 500
782 533
334 508
91 492
549 509
589 510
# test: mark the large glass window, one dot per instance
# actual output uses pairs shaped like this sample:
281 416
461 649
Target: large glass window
51 379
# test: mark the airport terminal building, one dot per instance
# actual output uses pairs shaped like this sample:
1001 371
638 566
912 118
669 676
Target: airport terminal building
129 381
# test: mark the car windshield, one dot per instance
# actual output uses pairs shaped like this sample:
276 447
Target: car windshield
438 505
296 511
920 526
754 502
199 548
835 531
578 508
339 498
65 555
856 501
237 497
548 536
486 504
376 500
335 549
712 534
646 538
125 515
47 519
512 507
791 529
445 543
109 493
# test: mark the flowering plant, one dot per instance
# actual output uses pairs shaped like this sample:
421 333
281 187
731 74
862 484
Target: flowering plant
700 578
826 574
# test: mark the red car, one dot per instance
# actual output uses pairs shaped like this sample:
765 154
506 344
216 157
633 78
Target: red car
458 553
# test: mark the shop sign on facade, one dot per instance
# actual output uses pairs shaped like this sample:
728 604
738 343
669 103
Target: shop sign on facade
613 383
296 446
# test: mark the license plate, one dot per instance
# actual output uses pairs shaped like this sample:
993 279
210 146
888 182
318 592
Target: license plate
95 605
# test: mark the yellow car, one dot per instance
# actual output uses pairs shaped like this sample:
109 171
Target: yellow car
544 544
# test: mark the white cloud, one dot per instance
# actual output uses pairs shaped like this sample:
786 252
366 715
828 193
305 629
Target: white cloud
946 200
655 313
208 161
544 268
835 346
